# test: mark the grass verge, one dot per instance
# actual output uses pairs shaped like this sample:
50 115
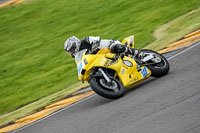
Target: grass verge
38 105
175 30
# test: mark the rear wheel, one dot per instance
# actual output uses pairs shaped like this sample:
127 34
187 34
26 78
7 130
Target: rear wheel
157 69
111 90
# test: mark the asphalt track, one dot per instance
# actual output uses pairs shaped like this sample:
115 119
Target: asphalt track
170 104
3 1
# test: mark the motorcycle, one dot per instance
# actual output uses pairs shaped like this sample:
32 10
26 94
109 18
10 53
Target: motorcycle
110 74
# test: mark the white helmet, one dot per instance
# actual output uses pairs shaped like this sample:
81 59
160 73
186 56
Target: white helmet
72 45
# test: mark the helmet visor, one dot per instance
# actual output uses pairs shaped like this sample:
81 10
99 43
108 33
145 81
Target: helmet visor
73 46
71 50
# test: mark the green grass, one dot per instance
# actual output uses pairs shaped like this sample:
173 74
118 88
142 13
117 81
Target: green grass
175 30
40 104
33 63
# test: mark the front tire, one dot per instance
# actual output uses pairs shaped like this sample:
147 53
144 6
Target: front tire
160 69
99 85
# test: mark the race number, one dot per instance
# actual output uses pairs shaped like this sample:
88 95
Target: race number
144 72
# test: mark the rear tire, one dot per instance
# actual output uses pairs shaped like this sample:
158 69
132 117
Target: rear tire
104 91
160 69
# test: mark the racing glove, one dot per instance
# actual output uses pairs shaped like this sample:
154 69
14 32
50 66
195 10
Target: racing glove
119 48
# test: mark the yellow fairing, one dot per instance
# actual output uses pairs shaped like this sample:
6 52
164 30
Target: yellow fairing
129 76
92 59
129 42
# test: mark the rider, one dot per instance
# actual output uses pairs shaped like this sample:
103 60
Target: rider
73 45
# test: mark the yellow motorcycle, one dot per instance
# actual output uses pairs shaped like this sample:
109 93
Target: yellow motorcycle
109 74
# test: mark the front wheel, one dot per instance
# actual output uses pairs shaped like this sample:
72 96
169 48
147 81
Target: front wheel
157 69
112 90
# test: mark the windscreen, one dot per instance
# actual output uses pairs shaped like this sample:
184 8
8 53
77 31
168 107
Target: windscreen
79 56
78 59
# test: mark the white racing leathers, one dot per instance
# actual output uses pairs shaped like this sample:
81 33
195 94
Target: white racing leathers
93 44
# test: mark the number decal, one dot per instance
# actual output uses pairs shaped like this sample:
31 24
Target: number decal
144 72
80 67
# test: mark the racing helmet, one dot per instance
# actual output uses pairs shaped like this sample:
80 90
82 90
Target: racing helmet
72 45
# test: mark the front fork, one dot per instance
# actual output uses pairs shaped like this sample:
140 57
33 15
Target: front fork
104 75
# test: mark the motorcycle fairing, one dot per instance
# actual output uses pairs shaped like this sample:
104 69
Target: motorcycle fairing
129 76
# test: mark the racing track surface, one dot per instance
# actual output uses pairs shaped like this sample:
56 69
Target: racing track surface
170 104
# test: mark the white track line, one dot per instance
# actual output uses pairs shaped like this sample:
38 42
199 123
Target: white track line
73 104
184 51
94 94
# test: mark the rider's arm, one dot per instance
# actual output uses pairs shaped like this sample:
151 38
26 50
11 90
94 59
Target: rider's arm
115 46
119 48
90 42
94 43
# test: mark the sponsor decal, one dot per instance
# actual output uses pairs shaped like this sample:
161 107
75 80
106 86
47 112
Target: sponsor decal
110 62
80 67
102 61
123 70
